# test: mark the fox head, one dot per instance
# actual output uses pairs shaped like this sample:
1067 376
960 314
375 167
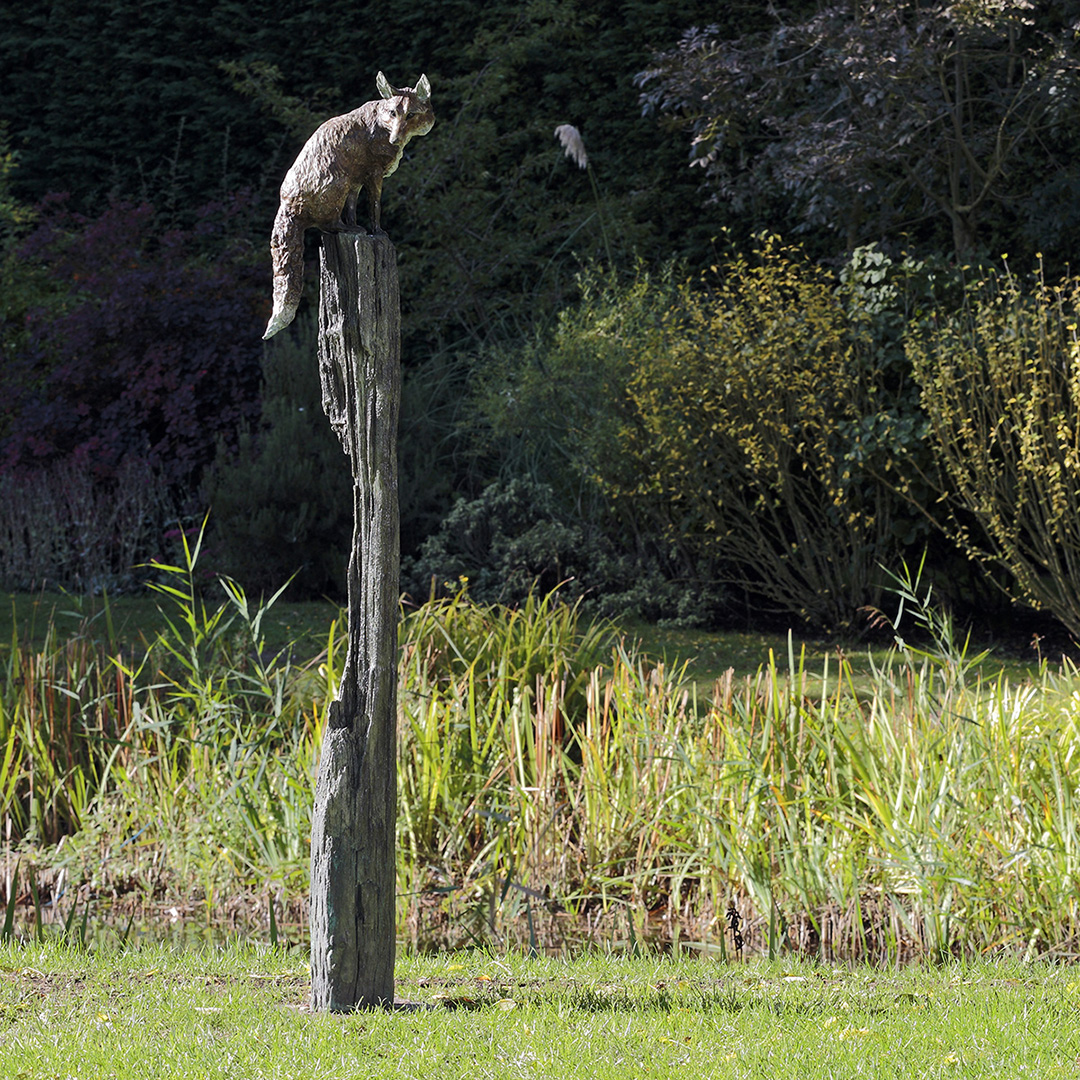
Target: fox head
410 109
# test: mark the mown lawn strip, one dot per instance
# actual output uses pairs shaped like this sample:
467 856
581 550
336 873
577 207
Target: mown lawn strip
238 1011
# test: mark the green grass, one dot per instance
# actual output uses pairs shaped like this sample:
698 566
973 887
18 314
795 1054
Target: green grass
709 654
241 1012
556 786
132 622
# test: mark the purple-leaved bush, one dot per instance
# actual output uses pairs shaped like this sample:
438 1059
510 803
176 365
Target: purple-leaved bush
149 344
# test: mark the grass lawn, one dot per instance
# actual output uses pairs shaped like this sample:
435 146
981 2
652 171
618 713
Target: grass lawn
132 621
240 1012
709 654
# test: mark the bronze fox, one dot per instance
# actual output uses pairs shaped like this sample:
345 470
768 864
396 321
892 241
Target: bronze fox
320 191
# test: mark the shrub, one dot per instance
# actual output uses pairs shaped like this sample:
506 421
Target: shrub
556 405
151 350
1000 382
743 402
514 540
282 500
735 435
504 543
62 527
432 436
551 413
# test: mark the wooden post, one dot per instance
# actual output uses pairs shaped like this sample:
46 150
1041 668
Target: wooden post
352 838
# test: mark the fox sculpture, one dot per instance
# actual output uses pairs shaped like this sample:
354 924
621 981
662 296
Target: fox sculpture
346 154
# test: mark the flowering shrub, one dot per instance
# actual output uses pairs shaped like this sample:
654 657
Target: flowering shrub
1000 383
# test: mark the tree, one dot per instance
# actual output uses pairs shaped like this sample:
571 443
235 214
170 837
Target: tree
881 117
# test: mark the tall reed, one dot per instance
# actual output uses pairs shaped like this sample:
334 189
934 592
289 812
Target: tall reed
555 786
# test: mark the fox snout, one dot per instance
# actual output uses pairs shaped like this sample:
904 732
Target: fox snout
397 125
404 126
412 113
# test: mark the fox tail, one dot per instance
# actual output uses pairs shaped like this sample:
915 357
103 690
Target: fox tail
287 255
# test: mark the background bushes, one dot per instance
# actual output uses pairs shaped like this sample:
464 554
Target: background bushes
128 354
607 378
1000 379
147 346
281 500
62 528
721 427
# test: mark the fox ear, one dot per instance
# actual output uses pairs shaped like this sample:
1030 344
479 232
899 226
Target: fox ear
423 89
383 86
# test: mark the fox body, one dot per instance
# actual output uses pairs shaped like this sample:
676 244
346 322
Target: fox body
346 154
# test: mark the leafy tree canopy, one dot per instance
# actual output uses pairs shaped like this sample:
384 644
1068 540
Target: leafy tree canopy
953 120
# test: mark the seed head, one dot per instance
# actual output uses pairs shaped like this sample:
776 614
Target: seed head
572 144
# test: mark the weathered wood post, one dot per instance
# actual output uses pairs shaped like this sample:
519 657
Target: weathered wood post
352 839
352 830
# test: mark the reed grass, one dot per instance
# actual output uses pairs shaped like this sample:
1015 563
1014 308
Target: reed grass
556 788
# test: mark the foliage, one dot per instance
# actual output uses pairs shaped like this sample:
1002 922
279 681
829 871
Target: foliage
504 199
61 527
553 403
515 538
492 222
63 522
487 209
431 449
504 543
875 117
884 301
282 500
13 214
26 284
556 786
164 126
153 354
1001 384
641 410
487 215
777 495
552 410
488 185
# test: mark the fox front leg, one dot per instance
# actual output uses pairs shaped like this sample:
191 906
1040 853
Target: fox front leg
348 213
374 194
346 222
